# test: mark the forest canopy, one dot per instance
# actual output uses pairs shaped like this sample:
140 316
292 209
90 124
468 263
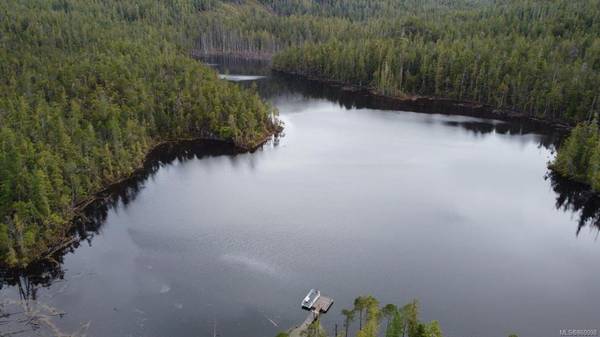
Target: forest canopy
86 89
538 58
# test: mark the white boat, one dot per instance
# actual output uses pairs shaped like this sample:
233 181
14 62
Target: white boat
309 301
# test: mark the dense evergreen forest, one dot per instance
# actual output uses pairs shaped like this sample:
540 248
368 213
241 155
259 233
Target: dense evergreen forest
260 28
539 58
86 89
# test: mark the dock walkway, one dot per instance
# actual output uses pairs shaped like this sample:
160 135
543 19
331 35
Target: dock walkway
322 305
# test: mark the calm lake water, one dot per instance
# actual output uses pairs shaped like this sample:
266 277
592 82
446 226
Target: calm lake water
455 211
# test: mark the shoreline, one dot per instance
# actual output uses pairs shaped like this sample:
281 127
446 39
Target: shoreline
431 103
82 208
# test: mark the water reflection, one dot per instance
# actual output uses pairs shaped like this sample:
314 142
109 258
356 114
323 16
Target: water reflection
577 198
88 225
571 196
240 78
284 88
546 136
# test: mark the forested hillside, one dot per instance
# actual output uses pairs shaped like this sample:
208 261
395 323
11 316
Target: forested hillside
86 89
539 58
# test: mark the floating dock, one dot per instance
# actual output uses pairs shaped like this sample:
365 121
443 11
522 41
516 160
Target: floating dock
323 304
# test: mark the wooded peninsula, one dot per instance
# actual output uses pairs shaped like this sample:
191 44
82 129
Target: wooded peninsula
87 88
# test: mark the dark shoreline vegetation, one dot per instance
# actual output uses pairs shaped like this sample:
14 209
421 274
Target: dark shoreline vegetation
578 198
431 103
577 195
89 220
87 90
91 211
578 156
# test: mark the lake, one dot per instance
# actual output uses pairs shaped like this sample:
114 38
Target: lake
355 198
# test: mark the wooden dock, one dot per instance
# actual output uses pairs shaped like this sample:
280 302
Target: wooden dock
321 306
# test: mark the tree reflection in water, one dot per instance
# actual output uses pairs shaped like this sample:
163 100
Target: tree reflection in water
577 198
30 314
47 271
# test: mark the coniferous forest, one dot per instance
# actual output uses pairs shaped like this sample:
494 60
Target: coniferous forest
86 89
540 58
